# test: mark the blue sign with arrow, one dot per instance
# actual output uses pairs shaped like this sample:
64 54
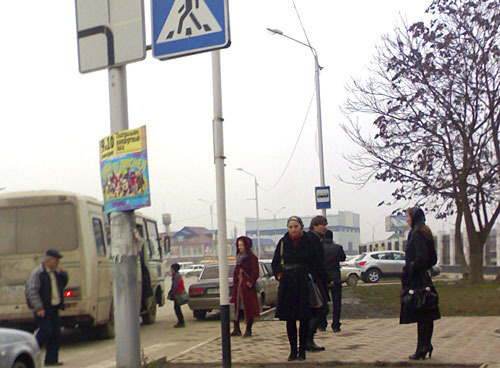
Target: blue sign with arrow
186 27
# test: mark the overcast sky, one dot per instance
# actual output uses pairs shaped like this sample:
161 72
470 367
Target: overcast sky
53 117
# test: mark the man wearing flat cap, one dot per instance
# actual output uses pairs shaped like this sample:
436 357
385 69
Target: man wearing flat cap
44 294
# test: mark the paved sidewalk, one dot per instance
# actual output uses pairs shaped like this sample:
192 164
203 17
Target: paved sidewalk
457 340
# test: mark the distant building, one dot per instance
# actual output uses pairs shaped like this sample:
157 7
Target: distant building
344 225
194 244
445 246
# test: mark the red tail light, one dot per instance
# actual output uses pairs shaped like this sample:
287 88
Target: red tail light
196 291
362 263
73 293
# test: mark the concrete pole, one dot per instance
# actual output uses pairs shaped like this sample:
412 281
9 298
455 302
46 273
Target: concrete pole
125 282
221 209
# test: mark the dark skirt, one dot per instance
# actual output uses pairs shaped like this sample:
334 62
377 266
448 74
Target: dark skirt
293 296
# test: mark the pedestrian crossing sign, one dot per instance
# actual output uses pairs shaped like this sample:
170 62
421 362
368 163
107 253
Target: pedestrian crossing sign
186 27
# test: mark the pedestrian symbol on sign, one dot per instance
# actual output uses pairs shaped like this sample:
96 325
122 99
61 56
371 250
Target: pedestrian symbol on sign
195 19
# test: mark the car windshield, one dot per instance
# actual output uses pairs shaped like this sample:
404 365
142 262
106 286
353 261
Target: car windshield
213 272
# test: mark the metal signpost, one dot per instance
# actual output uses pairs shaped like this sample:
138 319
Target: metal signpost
323 198
185 27
111 33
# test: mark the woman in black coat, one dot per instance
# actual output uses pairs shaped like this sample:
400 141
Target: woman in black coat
420 257
294 260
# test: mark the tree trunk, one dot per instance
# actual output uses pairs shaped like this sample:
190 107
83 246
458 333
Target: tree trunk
476 261
459 247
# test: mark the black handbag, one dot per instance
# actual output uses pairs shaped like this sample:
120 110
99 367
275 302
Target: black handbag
420 300
315 297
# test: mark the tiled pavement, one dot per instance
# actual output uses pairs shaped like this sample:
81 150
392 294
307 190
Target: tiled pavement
457 340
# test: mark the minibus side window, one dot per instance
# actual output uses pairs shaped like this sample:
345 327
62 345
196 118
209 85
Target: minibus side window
99 237
153 239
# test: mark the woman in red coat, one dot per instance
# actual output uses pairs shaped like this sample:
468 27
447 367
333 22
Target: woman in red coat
245 276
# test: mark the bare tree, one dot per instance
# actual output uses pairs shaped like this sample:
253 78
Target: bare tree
434 90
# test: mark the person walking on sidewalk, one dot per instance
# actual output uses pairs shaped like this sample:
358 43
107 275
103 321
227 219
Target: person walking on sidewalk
44 294
294 259
176 289
420 257
244 295
317 231
333 255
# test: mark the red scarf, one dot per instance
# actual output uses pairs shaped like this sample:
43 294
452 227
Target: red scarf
296 241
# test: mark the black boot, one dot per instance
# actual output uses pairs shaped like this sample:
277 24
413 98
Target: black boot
248 332
311 345
291 331
303 334
421 351
427 338
236 330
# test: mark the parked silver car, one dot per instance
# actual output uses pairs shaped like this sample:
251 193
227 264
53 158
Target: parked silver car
19 349
204 295
375 265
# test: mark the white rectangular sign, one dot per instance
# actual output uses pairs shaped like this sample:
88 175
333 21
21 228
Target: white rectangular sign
110 33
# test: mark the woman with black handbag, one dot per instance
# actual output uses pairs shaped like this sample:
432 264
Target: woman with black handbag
295 260
419 302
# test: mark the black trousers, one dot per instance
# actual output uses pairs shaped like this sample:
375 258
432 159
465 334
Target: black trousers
336 293
178 312
49 335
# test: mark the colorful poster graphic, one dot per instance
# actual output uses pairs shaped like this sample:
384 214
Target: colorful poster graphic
124 170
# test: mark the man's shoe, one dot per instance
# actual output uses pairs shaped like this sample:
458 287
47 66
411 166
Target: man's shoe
312 347
55 364
336 329
322 328
179 324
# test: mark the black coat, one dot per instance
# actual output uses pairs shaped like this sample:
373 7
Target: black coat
293 290
420 257
319 273
333 255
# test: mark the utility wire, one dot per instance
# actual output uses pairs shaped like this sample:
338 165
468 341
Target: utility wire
296 143
302 25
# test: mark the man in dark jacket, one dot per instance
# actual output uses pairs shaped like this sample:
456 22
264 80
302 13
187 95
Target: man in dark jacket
44 294
317 230
333 255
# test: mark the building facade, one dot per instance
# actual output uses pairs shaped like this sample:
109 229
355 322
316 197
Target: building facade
344 226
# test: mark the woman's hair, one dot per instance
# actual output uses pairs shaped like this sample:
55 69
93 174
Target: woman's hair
246 241
176 267
318 220
418 221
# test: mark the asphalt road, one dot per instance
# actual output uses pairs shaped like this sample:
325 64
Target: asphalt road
158 340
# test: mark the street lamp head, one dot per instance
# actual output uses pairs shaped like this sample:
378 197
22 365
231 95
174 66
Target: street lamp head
275 31
239 169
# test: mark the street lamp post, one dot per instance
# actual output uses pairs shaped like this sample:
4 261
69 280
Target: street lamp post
274 219
317 70
256 208
211 220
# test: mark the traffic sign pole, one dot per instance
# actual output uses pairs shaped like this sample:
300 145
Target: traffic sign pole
221 209
125 281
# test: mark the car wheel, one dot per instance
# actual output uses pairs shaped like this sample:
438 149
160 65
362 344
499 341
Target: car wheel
373 275
150 317
352 279
19 363
200 314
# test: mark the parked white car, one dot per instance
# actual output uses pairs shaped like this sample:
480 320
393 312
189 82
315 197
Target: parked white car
192 270
350 275
19 349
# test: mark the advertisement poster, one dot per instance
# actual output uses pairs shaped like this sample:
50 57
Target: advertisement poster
124 170
396 223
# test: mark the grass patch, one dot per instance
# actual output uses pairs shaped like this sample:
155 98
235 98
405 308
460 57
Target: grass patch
455 298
